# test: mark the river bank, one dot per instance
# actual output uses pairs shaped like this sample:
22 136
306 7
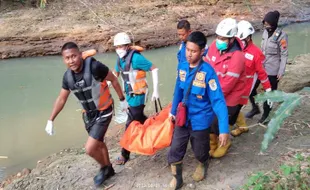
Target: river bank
28 31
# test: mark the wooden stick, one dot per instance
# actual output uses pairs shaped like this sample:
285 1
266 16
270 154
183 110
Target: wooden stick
4 157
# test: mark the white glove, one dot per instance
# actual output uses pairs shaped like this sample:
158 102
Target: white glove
155 94
49 128
269 102
124 105
109 83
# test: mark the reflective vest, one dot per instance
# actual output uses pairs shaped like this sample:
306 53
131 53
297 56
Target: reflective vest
92 94
135 79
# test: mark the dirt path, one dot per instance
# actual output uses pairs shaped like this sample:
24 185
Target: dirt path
72 169
34 32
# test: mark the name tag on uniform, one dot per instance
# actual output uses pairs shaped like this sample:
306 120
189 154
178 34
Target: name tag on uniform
200 79
182 75
249 56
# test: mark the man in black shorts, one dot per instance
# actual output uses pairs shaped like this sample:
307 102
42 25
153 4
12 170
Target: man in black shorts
87 79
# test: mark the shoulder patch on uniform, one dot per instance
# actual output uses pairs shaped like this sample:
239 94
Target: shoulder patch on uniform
283 43
249 56
212 84
182 75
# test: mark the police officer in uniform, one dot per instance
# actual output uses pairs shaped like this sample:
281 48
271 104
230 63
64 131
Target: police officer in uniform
275 48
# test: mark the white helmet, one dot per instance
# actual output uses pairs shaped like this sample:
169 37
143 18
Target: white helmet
121 39
227 28
245 29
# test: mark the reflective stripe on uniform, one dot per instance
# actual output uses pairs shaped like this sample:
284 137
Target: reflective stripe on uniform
263 81
232 74
250 76
236 75
219 73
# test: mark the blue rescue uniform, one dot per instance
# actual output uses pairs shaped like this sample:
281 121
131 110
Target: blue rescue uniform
205 99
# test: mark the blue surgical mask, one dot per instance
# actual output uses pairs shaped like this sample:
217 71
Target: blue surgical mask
221 45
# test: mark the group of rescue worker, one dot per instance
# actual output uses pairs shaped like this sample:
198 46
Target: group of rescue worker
216 82
213 82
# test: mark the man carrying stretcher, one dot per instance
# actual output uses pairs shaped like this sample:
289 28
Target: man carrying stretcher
197 87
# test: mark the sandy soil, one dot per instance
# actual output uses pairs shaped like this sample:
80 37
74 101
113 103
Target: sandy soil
28 31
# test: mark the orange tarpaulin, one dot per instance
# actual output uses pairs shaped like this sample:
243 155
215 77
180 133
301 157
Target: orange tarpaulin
155 134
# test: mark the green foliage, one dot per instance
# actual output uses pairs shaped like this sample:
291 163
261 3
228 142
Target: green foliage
288 176
43 3
288 103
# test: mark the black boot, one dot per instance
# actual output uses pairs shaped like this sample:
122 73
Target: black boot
265 115
177 180
104 174
255 109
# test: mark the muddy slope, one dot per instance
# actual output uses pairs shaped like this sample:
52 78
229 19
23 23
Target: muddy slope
31 31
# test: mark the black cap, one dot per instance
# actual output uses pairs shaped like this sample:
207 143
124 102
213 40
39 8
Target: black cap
272 18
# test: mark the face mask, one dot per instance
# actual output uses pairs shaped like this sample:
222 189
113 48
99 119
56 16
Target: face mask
121 52
269 28
221 45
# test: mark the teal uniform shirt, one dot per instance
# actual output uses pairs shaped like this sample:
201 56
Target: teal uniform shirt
138 63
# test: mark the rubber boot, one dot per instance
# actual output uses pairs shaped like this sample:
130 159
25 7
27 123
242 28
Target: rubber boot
255 109
200 172
213 143
241 126
221 151
265 115
177 180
